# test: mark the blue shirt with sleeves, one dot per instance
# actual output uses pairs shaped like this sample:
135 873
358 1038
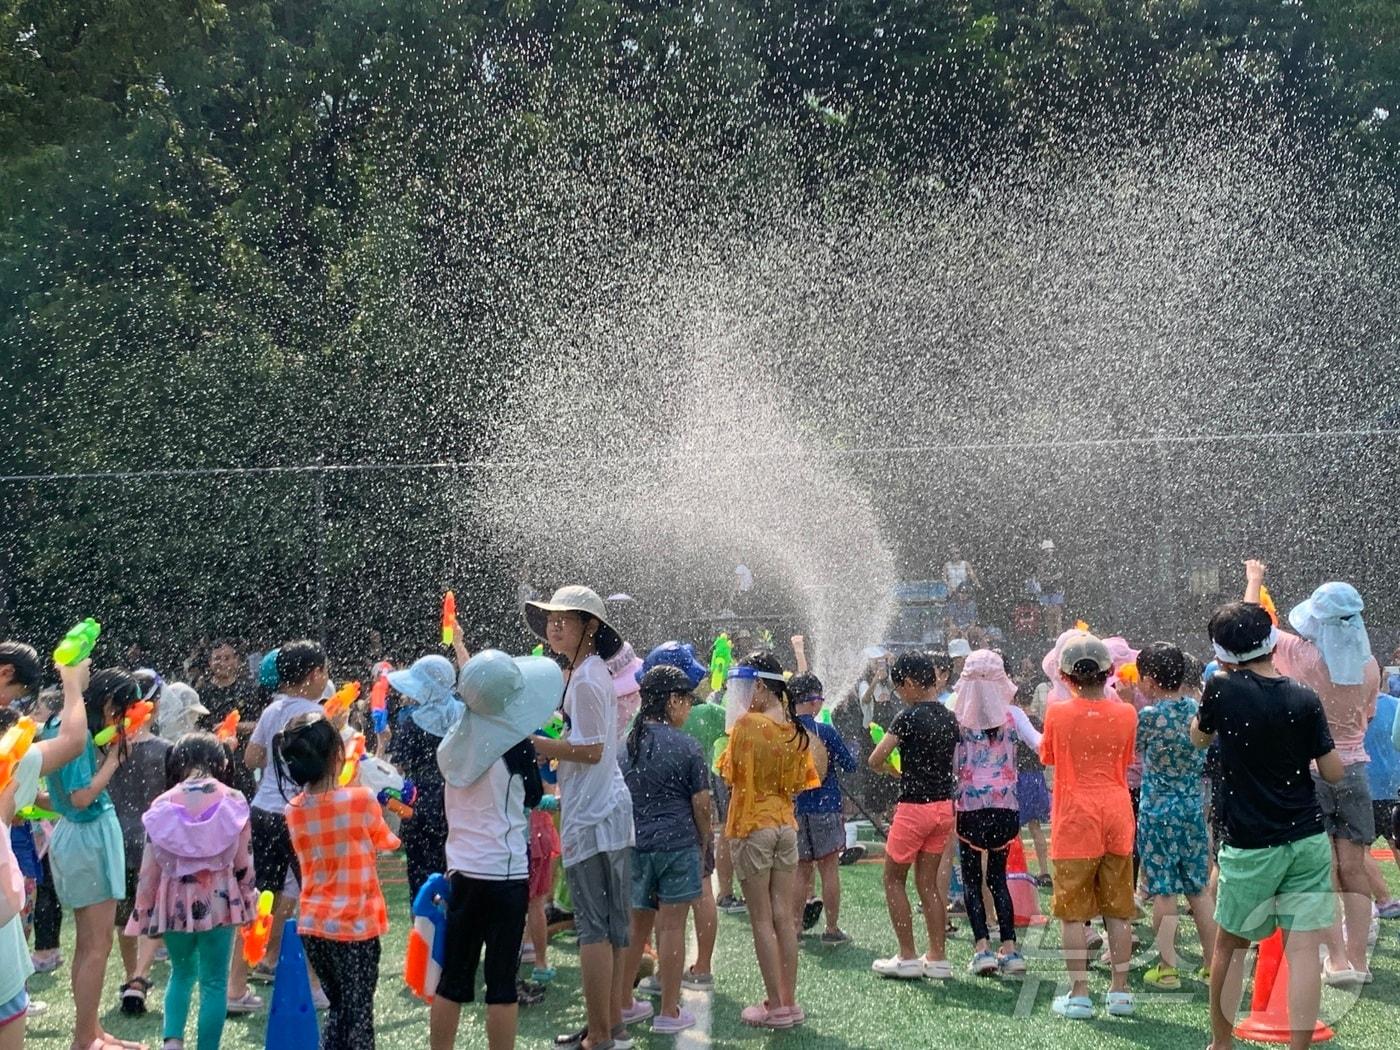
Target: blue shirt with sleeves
827 798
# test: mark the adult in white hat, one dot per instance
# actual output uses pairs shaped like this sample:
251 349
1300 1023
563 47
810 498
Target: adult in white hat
596 829
492 778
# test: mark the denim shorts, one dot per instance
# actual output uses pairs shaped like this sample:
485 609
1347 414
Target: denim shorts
665 877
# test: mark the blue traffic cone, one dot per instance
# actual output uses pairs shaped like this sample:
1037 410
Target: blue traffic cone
291 1023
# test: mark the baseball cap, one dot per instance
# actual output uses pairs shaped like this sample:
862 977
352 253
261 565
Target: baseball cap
1082 647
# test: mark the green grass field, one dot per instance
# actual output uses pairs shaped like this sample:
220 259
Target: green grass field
846 1005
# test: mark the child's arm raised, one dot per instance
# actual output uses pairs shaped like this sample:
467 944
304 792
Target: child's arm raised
86 796
73 730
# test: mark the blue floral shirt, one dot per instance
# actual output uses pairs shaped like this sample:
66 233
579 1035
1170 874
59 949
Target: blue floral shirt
1172 764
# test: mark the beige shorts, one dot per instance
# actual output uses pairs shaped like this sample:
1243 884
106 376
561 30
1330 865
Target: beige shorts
767 849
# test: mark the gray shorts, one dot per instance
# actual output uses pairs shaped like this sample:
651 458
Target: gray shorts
819 835
601 890
1346 806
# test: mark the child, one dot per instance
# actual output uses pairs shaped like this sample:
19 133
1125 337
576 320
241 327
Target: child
927 735
821 830
670 785
134 786
988 820
492 776
1276 861
596 832
430 685
1171 833
335 832
1089 741
196 885
770 759
19 677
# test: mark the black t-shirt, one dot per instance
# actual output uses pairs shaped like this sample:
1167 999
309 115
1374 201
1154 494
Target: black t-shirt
928 735
1269 731
221 699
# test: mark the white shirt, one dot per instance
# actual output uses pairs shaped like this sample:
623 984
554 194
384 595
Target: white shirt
269 797
488 831
955 574
594 803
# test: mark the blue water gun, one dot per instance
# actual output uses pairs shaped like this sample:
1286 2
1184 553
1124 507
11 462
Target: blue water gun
427 941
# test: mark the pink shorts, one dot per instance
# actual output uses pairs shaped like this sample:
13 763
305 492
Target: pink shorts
919 827
545 848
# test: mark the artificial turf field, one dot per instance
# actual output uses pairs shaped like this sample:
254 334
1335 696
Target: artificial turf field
846 1005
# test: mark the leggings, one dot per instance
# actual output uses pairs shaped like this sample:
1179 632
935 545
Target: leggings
424 838
204 955
48 913
349 973
989 832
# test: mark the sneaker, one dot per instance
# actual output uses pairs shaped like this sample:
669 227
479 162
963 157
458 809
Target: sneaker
649 986
761 1016
835 938
901 969
1120 1004
1345 977
1011 963
543 974
1073 1007
247 1003
46 963
1163 976
811 913
638 1011
699 982
262 973
983 963
731 905
937 969
1389 910
319 1000
36 1008
663 1025
851 855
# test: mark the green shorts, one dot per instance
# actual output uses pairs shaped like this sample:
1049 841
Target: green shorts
1279 887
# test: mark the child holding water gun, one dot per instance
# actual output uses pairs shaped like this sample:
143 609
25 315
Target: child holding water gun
336 832
19 676
86 854
195 887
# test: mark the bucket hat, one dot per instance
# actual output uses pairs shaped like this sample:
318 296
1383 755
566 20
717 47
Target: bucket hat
581 600
507 699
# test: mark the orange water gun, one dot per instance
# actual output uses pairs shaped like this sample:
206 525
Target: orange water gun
227 730
352 760
1267 601
137 715
379 696
256 933
449 616
14 745
339 702
1129 675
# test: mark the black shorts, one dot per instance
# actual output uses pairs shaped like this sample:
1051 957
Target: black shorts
1387 816
483 914
127 905
272 850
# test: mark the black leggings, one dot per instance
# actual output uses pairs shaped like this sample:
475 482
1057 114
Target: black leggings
48 913
349 973
424 838
989 831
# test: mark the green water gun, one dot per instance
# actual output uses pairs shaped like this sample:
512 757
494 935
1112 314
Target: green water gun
877 733
554 728
721 659
537 650
824 716
77 644
717 751
37 813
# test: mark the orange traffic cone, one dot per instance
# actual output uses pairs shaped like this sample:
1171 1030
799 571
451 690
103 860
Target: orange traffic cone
1268 1020
1025 901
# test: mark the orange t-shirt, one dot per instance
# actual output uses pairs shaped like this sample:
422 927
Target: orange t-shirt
767 767
337 836
1090 743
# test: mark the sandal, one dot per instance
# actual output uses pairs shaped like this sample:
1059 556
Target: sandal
133 995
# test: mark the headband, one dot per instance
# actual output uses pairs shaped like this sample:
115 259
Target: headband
1263 649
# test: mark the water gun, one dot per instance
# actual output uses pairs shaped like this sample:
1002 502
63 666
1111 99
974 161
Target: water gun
721 658
427 941
877 733
338 703
256 933
14 745
1080 625
227 730
1267 601
38 813
400 801
137 715
554 728
379 696
1129 675
352 760
77 643
449 616
824 716
549 803
537 650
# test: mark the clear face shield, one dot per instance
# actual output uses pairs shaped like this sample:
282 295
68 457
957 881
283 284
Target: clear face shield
739 692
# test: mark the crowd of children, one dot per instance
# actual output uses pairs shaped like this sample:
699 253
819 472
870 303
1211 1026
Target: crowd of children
1264 781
